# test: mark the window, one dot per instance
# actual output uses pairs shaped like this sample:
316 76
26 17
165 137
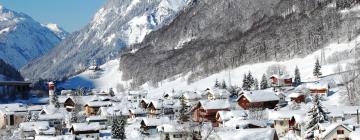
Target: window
281 123
177 135
340 132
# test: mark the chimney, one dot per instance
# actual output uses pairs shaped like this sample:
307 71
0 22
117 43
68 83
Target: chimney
51 86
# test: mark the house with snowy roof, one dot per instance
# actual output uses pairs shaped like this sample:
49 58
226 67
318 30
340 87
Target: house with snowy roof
30 129
136 96
240 123
297 97
332 131
189 96
136 112
258 99
174 132
281 80
245 134
57 137
206 110
166 107
217 93
92 107
85 130
224 116
316 88
286 120
102 120
12 114
148 126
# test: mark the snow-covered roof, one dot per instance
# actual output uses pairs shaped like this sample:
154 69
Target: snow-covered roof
287 114
66 92
93 126
98 103
260 96
336 110
214 104
155 121
54 116
286 76
219 93
171 128
295 94
137 111
246 134
329 128
58 137
227 115
42 130
96 118
31 126
116 109
315 85
190 95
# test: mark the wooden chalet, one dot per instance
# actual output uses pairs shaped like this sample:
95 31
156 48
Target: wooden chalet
297 97
258 99
206 110
281 80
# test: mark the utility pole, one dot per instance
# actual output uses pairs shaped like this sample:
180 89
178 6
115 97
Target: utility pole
357 116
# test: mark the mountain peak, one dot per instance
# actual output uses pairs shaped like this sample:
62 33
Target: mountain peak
56 29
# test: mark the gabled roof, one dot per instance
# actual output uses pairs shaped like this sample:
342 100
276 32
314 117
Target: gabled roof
260 96
331 127
227 115
155 121
31 126
79 127
214 104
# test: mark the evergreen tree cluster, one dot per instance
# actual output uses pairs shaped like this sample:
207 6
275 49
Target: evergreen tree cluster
316 115
222 85
249 82
183 116
118 127
9 72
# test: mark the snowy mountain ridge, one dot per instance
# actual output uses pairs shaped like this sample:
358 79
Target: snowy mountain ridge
60 32
22 38
116 25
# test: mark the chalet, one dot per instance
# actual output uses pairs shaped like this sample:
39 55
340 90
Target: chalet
245 134
173 132
297 97
286 120
258 99
148 126
136 96
30 129
224 116
85 130
12 115
137 112
91 108
333 131
161 107
281 80
100 119
67 102
317 88
190 96
217 93
144 103
206 110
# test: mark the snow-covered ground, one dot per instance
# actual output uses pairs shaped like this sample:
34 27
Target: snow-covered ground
110 77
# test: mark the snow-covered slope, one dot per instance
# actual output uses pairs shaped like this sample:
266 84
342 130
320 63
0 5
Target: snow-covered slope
22 38
60 32
110 77
118 24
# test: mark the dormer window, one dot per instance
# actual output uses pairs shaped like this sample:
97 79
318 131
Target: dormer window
339 132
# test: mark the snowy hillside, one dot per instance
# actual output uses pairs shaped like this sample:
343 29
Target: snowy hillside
110 76
60 32
116 25
22 38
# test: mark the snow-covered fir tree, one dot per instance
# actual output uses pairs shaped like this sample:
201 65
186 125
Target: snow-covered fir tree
217 84
118 127
317 69
264 82
245 83
250 80
297 79
316 115
223 85
256 84
34 117
183 117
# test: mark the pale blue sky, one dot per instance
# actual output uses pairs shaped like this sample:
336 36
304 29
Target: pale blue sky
72 15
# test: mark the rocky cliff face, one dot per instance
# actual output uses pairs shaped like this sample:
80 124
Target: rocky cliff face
119 24
211 36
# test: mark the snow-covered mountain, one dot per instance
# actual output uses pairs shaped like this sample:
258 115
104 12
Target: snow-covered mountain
118 24
60 32
22 38
8 73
